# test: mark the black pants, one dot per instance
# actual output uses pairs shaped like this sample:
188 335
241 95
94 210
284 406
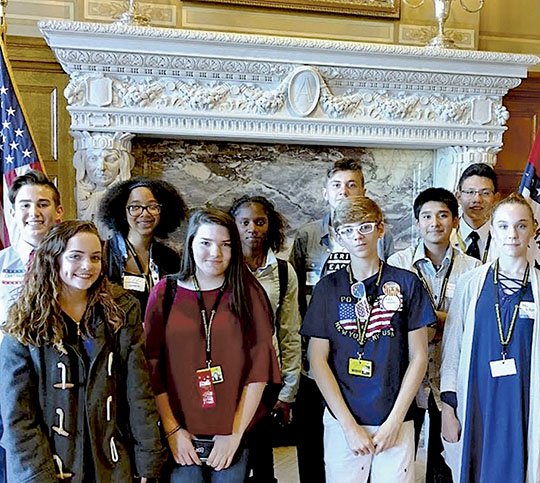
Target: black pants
437 470
309 431
261 455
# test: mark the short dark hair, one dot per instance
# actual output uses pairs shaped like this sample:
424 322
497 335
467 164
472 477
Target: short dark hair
276 222
33 178
112 208
345 164
436 194
479 169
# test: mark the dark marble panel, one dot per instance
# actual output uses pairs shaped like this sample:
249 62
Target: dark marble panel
292 176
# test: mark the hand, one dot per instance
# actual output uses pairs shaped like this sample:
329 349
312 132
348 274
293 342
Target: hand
387 435
182 448
285 409
223 451
451 427
143 479
359 440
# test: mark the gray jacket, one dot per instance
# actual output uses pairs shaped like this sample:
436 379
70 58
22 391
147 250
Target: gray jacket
45 395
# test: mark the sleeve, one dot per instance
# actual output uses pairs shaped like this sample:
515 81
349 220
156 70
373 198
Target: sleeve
289 339
420 309
297 259
154 328
29 454
143 416
453 336
263 365
316 319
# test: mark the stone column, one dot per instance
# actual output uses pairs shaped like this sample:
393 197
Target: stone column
450 162
101 159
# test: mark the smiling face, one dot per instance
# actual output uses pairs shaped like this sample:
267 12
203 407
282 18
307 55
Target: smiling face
476 198
35 212
512 228
435 223
211 248
145 223
252 222
343 184
79 265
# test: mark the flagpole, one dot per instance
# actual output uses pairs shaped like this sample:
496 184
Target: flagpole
3 19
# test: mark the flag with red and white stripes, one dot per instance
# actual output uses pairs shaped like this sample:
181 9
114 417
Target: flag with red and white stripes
19 153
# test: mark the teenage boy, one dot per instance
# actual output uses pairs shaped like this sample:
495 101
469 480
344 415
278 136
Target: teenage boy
35 207
316 252
438 265
368 353
476 194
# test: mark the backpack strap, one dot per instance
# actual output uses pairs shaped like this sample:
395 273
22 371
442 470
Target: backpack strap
283 275
171 285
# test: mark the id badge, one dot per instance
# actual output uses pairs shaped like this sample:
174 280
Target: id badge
503 367
207 394
132 282
360 367
527 310
217 374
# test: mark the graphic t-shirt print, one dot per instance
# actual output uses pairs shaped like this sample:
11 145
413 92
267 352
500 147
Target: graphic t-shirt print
380 318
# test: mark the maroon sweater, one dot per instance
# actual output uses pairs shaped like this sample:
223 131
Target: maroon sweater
176 351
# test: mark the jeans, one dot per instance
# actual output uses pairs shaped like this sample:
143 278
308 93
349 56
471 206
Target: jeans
206 474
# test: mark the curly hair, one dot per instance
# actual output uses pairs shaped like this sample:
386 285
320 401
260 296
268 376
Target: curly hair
36 317
112 208
276 221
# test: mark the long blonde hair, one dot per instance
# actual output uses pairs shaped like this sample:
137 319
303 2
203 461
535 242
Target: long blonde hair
36 318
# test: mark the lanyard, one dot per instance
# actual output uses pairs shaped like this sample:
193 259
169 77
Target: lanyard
464 248
207 321
358 290
131 250
437 306
505 341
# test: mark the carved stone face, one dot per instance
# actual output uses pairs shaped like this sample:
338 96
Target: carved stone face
103 166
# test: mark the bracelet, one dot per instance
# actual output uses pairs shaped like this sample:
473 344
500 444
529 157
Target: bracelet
172 431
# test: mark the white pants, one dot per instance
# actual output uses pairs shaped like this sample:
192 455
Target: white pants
394 465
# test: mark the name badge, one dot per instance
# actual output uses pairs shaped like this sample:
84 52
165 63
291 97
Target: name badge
12 278
207 394
217 374
132 282
360 367
450 289
504 367
527 310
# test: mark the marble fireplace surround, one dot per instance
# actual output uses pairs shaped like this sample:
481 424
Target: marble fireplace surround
173 83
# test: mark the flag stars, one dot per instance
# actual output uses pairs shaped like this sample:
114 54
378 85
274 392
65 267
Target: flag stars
19 132
6 124
9 159
10 111
13 145
27 153
3 90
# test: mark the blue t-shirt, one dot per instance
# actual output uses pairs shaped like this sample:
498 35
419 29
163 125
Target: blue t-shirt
401 305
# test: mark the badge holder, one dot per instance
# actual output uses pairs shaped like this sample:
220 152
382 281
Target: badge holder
503 367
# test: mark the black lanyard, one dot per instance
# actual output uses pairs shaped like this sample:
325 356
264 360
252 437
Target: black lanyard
505 341
207 321
147 277
362 327
437 306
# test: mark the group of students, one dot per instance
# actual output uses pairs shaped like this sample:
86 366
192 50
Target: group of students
90 393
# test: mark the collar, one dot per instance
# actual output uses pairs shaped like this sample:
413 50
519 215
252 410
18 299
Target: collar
465 230
269 263
24 249
420 256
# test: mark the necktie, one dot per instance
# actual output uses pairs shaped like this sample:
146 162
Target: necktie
474 250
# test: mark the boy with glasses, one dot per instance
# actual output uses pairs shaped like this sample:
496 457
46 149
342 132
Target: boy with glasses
438 265
476 194
368 353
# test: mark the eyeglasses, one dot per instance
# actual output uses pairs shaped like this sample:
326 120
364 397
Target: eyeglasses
348 231
138 210
482 193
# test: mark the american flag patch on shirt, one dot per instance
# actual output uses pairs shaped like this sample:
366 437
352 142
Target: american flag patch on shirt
347 317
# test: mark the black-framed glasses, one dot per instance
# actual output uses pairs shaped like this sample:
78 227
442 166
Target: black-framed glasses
138 210
348 231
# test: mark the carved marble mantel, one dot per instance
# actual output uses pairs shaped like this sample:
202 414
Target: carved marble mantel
201 84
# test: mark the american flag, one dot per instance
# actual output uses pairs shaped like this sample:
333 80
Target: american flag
17 145
530 189
379 320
